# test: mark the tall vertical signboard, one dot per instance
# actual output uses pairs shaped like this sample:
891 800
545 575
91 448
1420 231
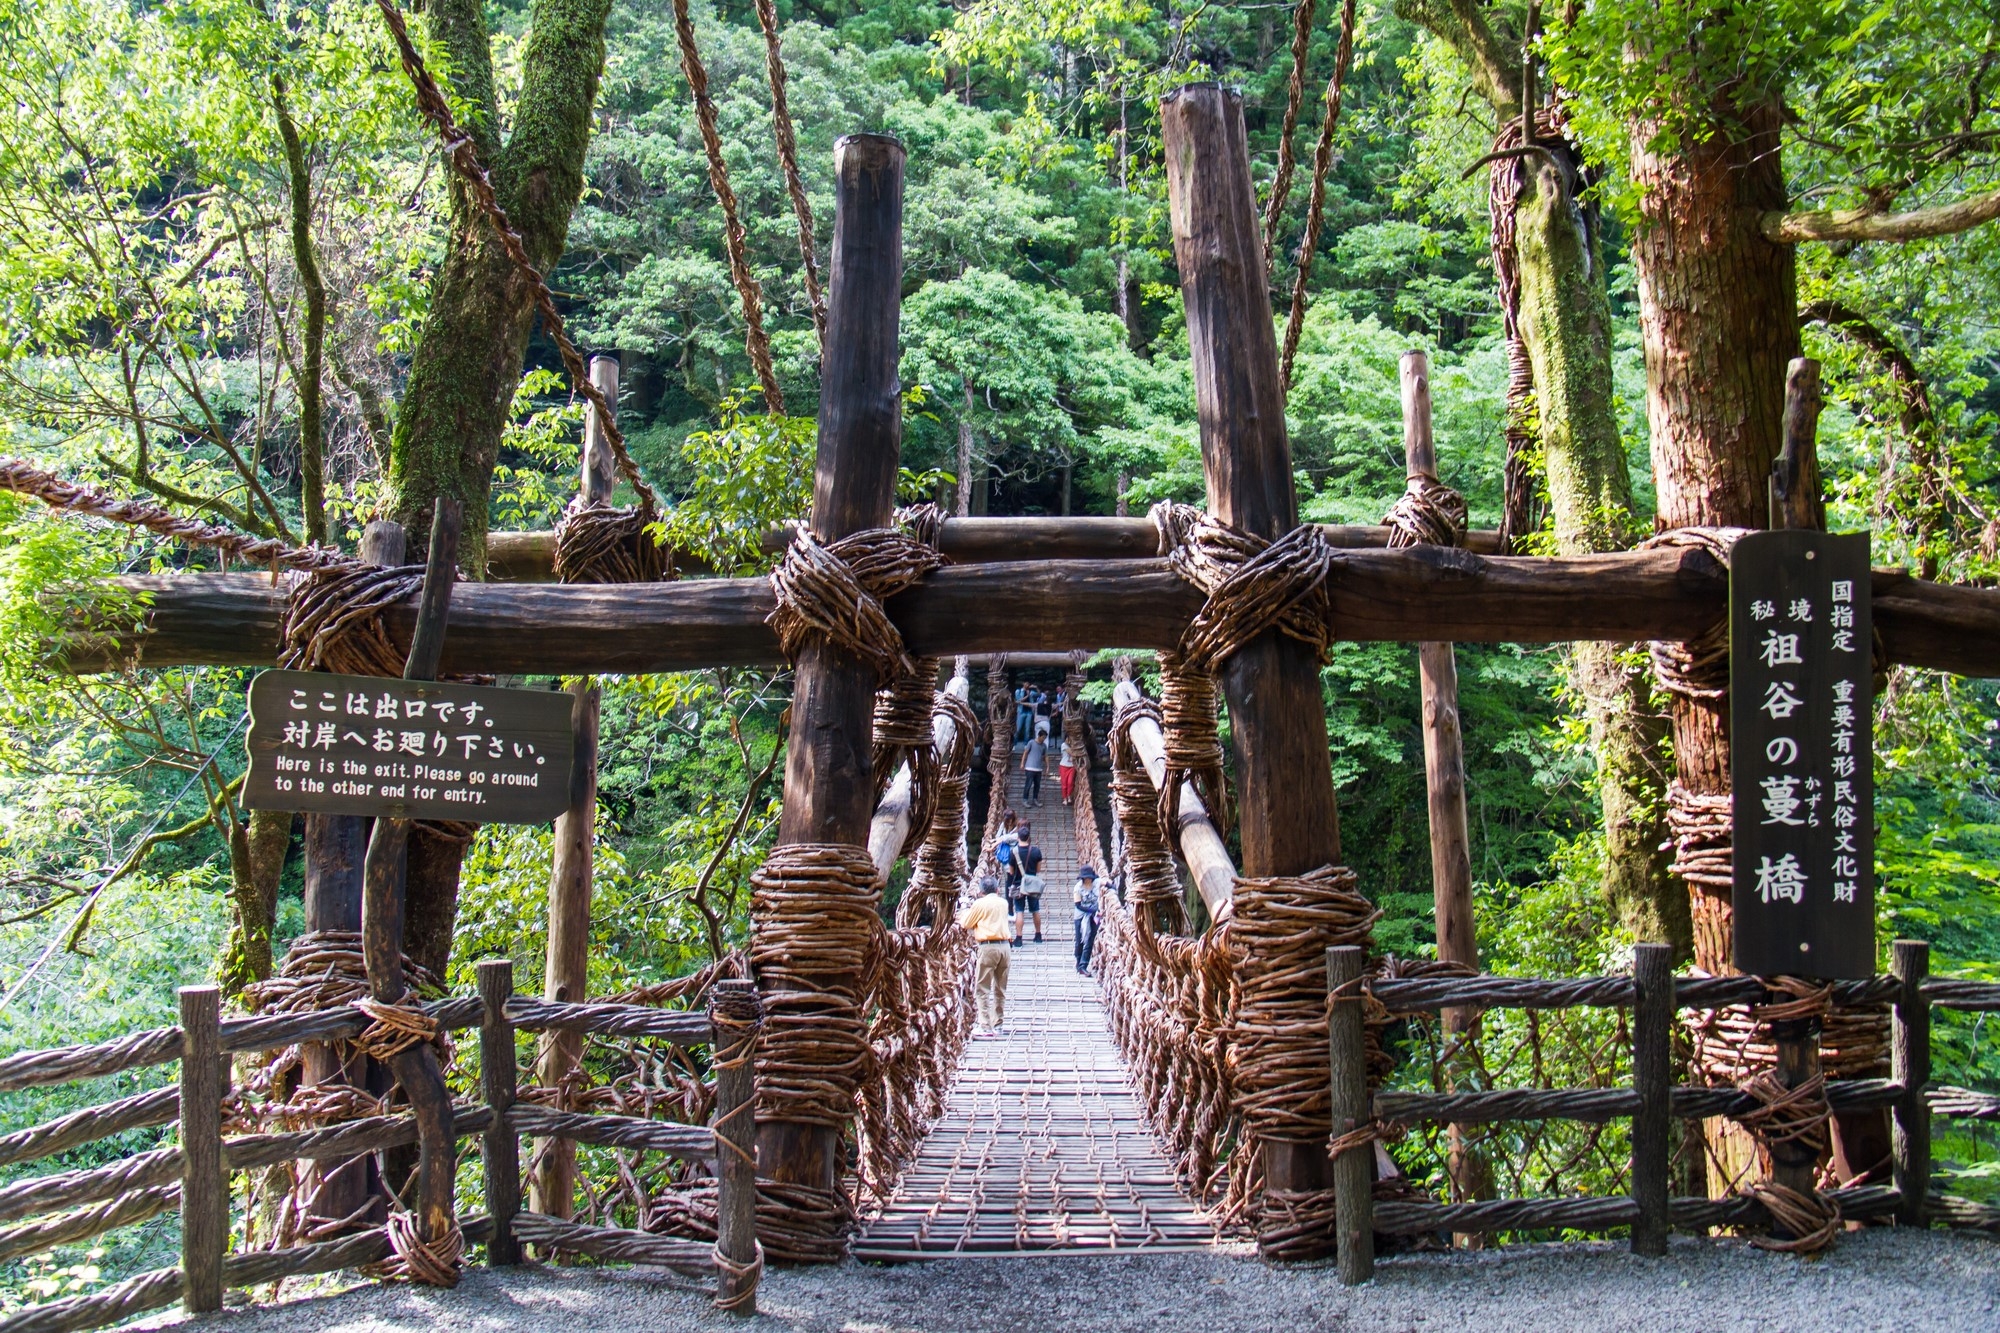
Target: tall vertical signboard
1801 754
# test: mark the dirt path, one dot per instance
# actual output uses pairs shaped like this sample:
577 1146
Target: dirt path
1895 1281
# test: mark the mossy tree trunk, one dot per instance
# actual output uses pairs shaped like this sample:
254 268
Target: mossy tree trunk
1565 321
475 335
1564 317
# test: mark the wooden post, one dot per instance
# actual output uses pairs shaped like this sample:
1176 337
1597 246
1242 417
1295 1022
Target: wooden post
1444 773
736 1202
1794 484
1797 1042
204 1181
334 849
1353 1170
1911 1058
1288 821
568 978
598 469
382 908
500 1151
1652 1078
829 790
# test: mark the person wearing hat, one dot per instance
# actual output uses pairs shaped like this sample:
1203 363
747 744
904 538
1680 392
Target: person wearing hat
987 921
1083 897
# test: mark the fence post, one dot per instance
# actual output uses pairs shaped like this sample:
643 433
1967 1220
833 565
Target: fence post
501 1149
204 1183
1353 1170
735 1013
1910 1057
1652 1078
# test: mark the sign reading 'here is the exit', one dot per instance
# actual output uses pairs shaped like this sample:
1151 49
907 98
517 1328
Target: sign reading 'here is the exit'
410 749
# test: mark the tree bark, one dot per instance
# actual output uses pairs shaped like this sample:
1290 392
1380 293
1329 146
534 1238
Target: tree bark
475 335
1565 321
1719 315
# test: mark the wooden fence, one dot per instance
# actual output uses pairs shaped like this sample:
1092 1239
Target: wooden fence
194 1176
1655 995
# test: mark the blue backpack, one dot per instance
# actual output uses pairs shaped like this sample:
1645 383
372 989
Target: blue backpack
1004 853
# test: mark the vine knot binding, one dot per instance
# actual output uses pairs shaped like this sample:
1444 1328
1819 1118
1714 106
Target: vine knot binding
1252 584
1428 513
836 589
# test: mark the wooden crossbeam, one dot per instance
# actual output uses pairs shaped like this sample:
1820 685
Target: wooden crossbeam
529 557
1411 595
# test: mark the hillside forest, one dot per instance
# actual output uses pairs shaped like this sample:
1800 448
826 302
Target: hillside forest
238 278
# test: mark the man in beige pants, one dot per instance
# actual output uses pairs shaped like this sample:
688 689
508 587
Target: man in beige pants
987 920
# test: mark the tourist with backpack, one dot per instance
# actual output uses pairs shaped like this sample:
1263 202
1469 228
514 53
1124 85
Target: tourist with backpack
1028 894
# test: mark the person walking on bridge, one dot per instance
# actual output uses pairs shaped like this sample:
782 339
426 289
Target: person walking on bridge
1083 899
1033 764
1028 896
986 919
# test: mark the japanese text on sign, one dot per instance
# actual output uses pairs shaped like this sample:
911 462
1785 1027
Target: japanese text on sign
1801 754
366 745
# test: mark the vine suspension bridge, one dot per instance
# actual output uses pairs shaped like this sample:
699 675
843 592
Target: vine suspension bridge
817 1094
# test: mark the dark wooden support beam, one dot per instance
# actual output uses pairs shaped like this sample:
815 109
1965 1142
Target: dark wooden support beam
383 910
1288 821
1407 596
829 792
335 846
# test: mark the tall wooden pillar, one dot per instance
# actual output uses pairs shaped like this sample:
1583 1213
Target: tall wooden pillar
1288 821
829 791
335 849
567 976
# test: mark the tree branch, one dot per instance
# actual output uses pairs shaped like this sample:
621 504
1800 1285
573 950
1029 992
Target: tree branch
1863 224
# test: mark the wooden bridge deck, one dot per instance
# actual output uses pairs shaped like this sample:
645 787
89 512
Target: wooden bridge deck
1042 1148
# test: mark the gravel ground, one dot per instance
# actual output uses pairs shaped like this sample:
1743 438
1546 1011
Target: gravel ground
1879 1279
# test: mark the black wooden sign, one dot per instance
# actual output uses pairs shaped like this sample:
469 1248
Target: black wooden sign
413 749
1801 754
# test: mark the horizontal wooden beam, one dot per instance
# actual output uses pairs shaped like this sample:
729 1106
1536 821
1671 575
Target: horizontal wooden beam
1408 595
530 557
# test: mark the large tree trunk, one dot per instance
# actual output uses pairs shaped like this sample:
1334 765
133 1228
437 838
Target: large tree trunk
1719 313
475 335
1565 322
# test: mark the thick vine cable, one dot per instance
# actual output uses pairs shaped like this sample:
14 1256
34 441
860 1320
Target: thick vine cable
755 340
1295 96
788 158
1316 206
463 155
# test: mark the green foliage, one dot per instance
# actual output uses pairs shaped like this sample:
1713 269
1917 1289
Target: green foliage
751 473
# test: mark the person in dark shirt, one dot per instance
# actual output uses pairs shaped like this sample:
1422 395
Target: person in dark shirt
1029 903
1033 764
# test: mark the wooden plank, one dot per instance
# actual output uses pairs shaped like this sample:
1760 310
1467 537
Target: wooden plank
204 1182
1910 1065
1378 596
1652 1081
567 976
735 1129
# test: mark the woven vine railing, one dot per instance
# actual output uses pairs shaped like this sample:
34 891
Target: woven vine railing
1655 998
193 1176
